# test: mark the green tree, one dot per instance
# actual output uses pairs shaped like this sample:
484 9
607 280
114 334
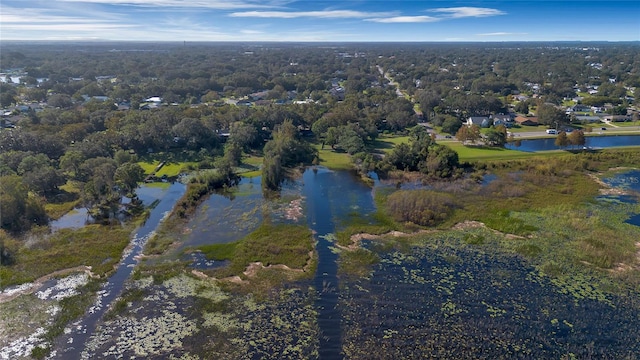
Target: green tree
451 125
19 210
551 116
468 134
71 162
576 138
128 175
495 137
562 140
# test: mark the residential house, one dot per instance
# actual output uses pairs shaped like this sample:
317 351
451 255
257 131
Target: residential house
502 119
583 119
260 95
526 120
617 118
338 92
481 121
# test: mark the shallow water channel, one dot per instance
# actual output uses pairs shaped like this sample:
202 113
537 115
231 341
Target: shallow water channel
332 197
80 331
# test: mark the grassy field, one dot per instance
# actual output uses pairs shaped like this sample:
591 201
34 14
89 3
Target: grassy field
466 153
333 160
66 249
67 200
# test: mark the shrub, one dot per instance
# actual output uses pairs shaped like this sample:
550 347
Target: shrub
422 207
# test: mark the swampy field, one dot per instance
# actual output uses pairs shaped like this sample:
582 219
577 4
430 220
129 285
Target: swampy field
535 258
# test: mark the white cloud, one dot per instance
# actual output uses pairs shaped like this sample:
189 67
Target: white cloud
207 4
501 34
463 12
405 19
325 14
251 32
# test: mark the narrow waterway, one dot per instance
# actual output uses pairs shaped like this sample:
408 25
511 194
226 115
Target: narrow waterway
331 198
73 342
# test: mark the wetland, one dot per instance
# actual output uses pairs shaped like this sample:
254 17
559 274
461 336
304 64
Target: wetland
326 271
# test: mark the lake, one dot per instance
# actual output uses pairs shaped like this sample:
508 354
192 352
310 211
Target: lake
595 142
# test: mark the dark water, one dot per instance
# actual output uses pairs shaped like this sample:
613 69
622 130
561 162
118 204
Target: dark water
445 303
226 217
79 217
73 343
330 199
596 142
630 181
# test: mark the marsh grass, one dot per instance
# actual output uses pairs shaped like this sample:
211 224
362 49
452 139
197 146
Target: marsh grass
357 262
97 246
167 233
270 244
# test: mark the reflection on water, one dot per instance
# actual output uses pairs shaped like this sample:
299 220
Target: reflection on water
226 217
628 180
596 142
332 197
74 219
80 217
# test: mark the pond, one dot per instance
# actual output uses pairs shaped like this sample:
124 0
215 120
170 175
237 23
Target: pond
229 216
80 217
464 302
594 142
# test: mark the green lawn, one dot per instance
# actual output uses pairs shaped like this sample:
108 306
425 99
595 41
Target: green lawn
470 153
333 160
626 124
169 169
466 153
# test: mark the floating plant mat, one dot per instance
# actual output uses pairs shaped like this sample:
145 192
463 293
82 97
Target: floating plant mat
444 299
192 318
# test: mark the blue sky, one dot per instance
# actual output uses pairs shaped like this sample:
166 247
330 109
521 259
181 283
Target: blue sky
282 20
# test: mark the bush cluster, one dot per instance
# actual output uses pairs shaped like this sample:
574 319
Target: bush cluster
422 207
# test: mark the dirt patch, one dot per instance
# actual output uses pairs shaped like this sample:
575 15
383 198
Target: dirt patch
622 267
357 238
31 287
468 224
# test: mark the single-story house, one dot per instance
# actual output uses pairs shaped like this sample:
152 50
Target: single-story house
526 121
587 118
501 119
617 118
481 121
260 95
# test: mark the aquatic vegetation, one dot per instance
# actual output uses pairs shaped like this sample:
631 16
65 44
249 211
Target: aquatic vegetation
289 245
188 317
455 300
357 262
